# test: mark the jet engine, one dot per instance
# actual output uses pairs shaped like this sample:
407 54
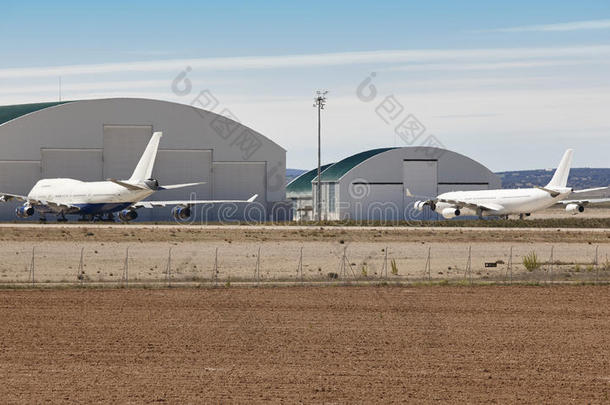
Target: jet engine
128 215
181 213
24 211
451 212
419 205
574 208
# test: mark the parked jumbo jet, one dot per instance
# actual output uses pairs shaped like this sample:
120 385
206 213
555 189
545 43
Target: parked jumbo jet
520 202
93 200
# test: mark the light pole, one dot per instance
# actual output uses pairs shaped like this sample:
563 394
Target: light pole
319 103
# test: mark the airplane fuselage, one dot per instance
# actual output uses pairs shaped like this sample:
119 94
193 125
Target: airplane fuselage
87 197
514 201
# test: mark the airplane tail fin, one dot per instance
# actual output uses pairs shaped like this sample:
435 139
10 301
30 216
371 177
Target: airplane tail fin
145 166
560 178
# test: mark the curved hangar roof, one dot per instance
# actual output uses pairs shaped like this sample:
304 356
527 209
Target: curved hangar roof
384 163
55 118
11 112
339 169
302 184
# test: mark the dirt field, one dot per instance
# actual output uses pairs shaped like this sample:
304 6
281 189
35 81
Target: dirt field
58 249
331 345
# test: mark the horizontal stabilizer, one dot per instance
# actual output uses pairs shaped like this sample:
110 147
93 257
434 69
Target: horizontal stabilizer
553 193
128 186
175 186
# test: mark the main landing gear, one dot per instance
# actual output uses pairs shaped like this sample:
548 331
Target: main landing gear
97 218
100 218
61 217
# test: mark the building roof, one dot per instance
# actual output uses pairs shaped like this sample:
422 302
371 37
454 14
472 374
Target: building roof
302 184
10 112
337 170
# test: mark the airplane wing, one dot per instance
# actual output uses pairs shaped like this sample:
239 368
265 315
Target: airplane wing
152 204
7 197
473 206
57 206
586 201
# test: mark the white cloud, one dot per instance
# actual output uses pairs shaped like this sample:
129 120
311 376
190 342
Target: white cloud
309 60
86 86
569 26
497 107
489 66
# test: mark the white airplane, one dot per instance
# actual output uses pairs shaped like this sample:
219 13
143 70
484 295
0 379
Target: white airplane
93 200
507 202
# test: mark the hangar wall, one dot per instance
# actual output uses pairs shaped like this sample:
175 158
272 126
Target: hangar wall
98 139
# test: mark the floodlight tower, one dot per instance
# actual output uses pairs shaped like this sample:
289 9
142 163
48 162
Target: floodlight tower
319 103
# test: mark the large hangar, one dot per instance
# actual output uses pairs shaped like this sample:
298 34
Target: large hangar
382 184
99 139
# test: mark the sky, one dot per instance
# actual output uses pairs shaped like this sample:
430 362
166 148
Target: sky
509 84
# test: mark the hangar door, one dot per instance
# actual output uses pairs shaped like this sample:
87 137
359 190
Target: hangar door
123 146
420 177
240 180
79 164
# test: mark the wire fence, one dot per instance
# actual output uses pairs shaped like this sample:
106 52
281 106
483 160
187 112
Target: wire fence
166 265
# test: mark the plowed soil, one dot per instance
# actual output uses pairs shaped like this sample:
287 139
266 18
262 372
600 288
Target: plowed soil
338 345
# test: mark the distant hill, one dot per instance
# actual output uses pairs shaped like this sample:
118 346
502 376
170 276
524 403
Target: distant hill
579 178
292 174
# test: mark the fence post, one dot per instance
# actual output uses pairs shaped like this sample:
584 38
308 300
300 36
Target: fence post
345 264
552 260
300 266
215 275
468 272
81 270
257 271
596 264
126 268
510 265
32 266
168 269
427 269
385 265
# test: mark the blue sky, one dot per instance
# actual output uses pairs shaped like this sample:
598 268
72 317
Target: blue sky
509 84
